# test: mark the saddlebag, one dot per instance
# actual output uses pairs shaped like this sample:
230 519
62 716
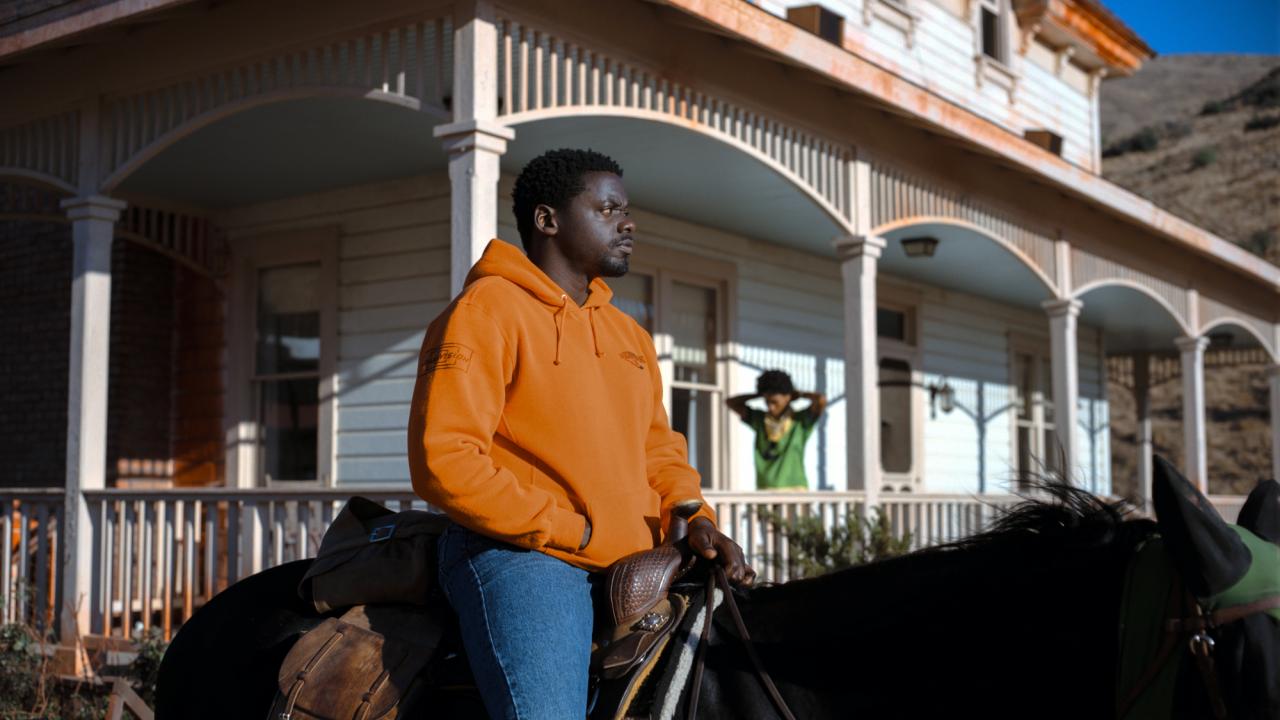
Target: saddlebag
366 665
373 556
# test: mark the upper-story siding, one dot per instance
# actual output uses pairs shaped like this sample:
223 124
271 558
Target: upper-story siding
941 57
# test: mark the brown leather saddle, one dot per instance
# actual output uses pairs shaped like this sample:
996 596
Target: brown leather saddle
378 660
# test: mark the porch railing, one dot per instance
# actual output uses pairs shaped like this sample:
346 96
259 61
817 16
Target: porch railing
160 555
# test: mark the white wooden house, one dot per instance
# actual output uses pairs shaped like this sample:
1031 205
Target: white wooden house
897 201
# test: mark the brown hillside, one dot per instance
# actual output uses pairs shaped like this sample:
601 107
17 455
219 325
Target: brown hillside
1173 87
1217 165
1199 135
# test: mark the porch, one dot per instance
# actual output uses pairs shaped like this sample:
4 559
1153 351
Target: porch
372 154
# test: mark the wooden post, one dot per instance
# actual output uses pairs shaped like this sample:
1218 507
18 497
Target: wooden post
1196 466
475 141
92 231
1066 383
858 257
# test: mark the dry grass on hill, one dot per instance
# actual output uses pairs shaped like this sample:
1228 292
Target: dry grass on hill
1217 165
1199 135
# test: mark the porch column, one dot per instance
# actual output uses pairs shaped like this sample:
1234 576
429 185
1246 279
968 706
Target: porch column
92 230
1142 401
858 257
1192 349
1066 382
475 141
1275 421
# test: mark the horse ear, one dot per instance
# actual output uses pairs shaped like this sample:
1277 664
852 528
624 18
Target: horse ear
1208 554
1261 512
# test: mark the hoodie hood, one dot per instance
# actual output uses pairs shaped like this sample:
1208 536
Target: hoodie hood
504 260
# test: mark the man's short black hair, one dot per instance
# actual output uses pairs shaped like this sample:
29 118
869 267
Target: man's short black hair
774 382
554 178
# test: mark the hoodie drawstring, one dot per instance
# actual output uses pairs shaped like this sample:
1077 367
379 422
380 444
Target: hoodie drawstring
595 339
560 316
562 313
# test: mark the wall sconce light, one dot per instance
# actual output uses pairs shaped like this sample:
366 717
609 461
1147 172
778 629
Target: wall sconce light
919 247
941 395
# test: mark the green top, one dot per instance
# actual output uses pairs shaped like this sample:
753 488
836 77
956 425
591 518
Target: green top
780 462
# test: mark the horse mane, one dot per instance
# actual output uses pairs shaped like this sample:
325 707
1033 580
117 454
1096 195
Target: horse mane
1055 509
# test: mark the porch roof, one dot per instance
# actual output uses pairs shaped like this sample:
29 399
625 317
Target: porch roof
753 25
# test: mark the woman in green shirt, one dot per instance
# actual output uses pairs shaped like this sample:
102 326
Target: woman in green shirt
781 433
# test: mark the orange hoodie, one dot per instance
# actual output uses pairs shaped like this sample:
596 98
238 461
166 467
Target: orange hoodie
532 414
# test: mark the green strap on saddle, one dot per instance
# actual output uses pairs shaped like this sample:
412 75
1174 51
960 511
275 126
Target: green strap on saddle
1145 609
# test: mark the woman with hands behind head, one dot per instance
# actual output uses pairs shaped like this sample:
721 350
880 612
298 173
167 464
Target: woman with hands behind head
781 431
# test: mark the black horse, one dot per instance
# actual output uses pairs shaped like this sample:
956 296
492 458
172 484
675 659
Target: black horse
1020 621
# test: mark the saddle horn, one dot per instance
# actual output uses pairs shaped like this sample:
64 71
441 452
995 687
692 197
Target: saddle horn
681 512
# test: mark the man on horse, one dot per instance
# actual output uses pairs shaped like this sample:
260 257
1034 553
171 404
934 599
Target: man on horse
538 426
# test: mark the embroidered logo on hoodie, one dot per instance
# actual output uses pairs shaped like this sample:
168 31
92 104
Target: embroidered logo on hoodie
632 358
449 356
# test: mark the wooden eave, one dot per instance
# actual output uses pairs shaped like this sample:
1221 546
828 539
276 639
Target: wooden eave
1092 27
846 69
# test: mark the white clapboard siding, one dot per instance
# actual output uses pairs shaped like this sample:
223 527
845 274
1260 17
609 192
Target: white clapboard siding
966 344
393 279
940 58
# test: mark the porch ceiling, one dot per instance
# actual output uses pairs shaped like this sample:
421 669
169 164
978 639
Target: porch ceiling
291 148
1131 321
966 261
689 175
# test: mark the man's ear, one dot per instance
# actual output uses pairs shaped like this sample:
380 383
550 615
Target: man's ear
545 220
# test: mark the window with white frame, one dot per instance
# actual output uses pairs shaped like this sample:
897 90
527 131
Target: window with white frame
900 391
1037 449
685 312
992 40
285 356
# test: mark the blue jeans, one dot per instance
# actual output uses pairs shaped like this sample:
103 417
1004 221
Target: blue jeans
526 621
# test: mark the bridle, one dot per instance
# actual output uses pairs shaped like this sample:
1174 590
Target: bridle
1189 622
717 576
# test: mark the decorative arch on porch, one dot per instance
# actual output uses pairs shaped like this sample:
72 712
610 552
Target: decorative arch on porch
405 62
43 152
1215 314
542 76
798 183
1018 253
1242 326
1139 288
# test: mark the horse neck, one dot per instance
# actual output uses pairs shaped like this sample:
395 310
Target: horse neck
1012 615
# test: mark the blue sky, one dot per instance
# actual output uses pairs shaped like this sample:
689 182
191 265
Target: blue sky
1217 26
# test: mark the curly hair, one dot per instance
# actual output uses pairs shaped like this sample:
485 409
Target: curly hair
554 178
774 382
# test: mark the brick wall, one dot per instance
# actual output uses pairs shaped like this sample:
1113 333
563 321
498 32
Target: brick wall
164 405
198 381
139 403
35 295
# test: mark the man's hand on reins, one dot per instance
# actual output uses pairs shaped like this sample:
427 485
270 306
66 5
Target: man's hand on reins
708 542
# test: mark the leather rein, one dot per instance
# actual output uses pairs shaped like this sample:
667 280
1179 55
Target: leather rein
1195 626
717 576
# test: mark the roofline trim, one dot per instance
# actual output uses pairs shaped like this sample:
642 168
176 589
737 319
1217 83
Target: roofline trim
763 29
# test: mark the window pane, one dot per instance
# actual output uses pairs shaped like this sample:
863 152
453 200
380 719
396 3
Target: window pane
1046 389
990 34
691 415
1022 370
693 327
288 319
895 416
288 417
633 295
891 324
1025 465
